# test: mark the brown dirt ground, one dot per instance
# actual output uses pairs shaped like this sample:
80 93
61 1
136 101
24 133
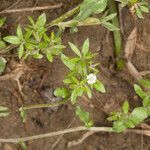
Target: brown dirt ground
118 85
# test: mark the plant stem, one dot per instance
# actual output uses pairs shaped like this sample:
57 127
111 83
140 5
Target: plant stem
49 105
70 130
51 134
44 105
64 16
117 36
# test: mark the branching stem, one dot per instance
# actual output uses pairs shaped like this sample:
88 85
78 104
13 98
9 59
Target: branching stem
71 130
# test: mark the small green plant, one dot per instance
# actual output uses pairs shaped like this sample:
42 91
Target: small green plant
4 111
137 6
87 16
2 64
144 82
82 77
84 116
124 119
2 46
2 43
35 42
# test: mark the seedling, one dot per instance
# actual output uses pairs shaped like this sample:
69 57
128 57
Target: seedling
2 64
84 116
124 119
82 77
137 6
4 111
35 42
2 43
144 82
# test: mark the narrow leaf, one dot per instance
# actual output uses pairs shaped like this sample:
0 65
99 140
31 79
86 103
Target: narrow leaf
19 32
12 39
125 107
99 86
20 51
85 47
75 49
2 64
67 62
2 21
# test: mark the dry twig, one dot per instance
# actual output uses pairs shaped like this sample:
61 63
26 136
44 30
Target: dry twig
58 140
130 44
8 11
71 130
80 140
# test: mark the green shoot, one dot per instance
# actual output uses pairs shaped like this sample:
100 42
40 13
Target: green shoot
124 119
117 36
84 116
2 43
2 64
138 7
82 77
4 111
35 42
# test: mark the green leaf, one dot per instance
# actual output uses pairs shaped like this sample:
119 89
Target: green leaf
2 44
146 101
23 114
119 126
67 62
62 92
43 45
99 86
49 56
28 33
67 81
30 46
20 51
4 111
23 145
75 80
138 115
84 116
19 32
144 82
139 13
112 118
41 20
139 91
2 21
89 92
2 64
129 124
125 107
144 8
85 47
89 7
109 17
37 55
31 20
75 49
109 26
74 96
12 39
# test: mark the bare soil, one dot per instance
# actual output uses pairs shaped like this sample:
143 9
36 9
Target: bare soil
118 85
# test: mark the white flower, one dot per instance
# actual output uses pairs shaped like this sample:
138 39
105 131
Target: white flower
91 78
